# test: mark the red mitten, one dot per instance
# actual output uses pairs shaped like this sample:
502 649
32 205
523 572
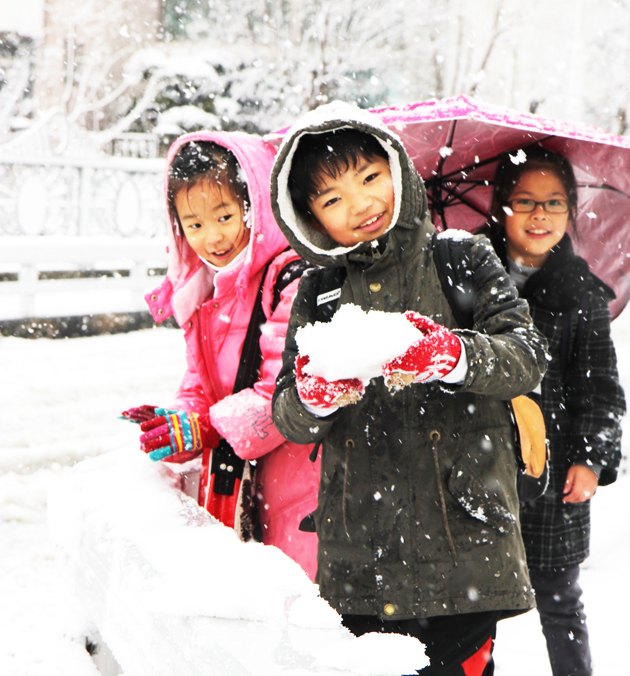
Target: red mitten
431 357
319 392
177 436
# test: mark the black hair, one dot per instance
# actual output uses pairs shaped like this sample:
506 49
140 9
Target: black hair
200 161
509 171
327 154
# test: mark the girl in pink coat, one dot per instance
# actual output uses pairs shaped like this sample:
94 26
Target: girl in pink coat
224 250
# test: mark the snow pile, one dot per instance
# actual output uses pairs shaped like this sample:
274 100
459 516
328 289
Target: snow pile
366 654
168 529
61 403
154 570
355 344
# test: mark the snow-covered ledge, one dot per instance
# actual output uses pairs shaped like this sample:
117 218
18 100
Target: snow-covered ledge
172 591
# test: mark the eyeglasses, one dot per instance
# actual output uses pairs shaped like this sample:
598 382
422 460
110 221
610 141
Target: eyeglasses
524 205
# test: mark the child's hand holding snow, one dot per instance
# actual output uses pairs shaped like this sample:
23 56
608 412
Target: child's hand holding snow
431 357
322 394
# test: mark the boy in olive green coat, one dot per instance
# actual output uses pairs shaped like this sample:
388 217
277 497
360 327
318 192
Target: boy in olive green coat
417 510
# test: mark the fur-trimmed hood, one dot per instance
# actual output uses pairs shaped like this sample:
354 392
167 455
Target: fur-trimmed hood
410 203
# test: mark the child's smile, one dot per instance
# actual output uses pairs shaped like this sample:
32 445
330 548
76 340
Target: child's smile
531 235
212 221
358 205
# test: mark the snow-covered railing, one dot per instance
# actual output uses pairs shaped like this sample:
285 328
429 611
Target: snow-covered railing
78 234
88 195
172 591
70 276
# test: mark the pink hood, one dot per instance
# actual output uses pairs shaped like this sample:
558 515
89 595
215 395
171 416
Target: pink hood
188 276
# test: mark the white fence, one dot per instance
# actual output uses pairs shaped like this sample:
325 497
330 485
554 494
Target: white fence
79 235
66 276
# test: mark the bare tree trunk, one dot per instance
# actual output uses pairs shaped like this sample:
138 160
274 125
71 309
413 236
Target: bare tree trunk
622 116
496 32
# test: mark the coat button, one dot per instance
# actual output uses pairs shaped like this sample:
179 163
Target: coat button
215 305
389 609
375 287
160 312
154 297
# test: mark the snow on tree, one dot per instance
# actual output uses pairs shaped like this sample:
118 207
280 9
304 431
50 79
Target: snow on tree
255 65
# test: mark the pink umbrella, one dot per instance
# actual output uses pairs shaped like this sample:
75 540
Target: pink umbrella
455 144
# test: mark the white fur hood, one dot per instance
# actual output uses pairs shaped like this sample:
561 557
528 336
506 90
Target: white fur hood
410 201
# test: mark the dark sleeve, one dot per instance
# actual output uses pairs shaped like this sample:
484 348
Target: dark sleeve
506 354
290 417
594 396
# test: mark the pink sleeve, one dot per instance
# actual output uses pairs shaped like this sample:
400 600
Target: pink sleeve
244 419
191 395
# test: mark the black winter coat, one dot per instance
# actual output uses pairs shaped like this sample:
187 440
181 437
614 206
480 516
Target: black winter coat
582 400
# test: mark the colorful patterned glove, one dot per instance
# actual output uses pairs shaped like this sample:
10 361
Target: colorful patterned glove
177 436
320 393
139 414
431 357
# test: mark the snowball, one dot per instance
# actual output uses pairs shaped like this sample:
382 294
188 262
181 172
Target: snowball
355 344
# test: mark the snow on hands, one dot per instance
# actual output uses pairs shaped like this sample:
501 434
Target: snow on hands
362 345
323 394
432 357
355 344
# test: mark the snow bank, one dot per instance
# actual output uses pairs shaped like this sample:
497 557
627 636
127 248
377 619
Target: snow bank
355 344
173 591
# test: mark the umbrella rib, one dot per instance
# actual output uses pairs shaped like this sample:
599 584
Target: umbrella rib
489 160
437 205
603 186
437 182
444 204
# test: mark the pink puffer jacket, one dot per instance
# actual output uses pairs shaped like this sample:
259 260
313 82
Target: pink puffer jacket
215 314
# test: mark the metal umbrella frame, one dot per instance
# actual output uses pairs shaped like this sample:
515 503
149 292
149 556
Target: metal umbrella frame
456 143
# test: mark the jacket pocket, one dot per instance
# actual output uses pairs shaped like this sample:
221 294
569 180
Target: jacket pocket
477 500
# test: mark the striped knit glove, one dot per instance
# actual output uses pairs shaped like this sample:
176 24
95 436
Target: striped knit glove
177 436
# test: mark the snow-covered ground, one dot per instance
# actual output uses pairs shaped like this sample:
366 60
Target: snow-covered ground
59 404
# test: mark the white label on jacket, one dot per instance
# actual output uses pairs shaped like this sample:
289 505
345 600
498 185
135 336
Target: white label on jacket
328 296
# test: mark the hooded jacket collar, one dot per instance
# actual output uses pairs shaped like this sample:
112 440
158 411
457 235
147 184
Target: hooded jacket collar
410 197
193 282
562 281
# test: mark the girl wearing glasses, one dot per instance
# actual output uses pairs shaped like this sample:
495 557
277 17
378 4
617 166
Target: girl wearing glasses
534 203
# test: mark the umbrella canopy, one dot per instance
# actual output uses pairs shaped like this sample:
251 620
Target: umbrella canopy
455 145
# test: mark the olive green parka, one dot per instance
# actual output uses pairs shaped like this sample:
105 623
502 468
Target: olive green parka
418 512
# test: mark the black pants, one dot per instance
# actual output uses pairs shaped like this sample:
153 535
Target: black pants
563 620
450 640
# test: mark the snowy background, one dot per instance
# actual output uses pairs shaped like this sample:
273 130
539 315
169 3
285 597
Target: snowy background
80 82
60 402
163 66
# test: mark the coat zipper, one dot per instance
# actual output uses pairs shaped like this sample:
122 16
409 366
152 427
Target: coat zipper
435 437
